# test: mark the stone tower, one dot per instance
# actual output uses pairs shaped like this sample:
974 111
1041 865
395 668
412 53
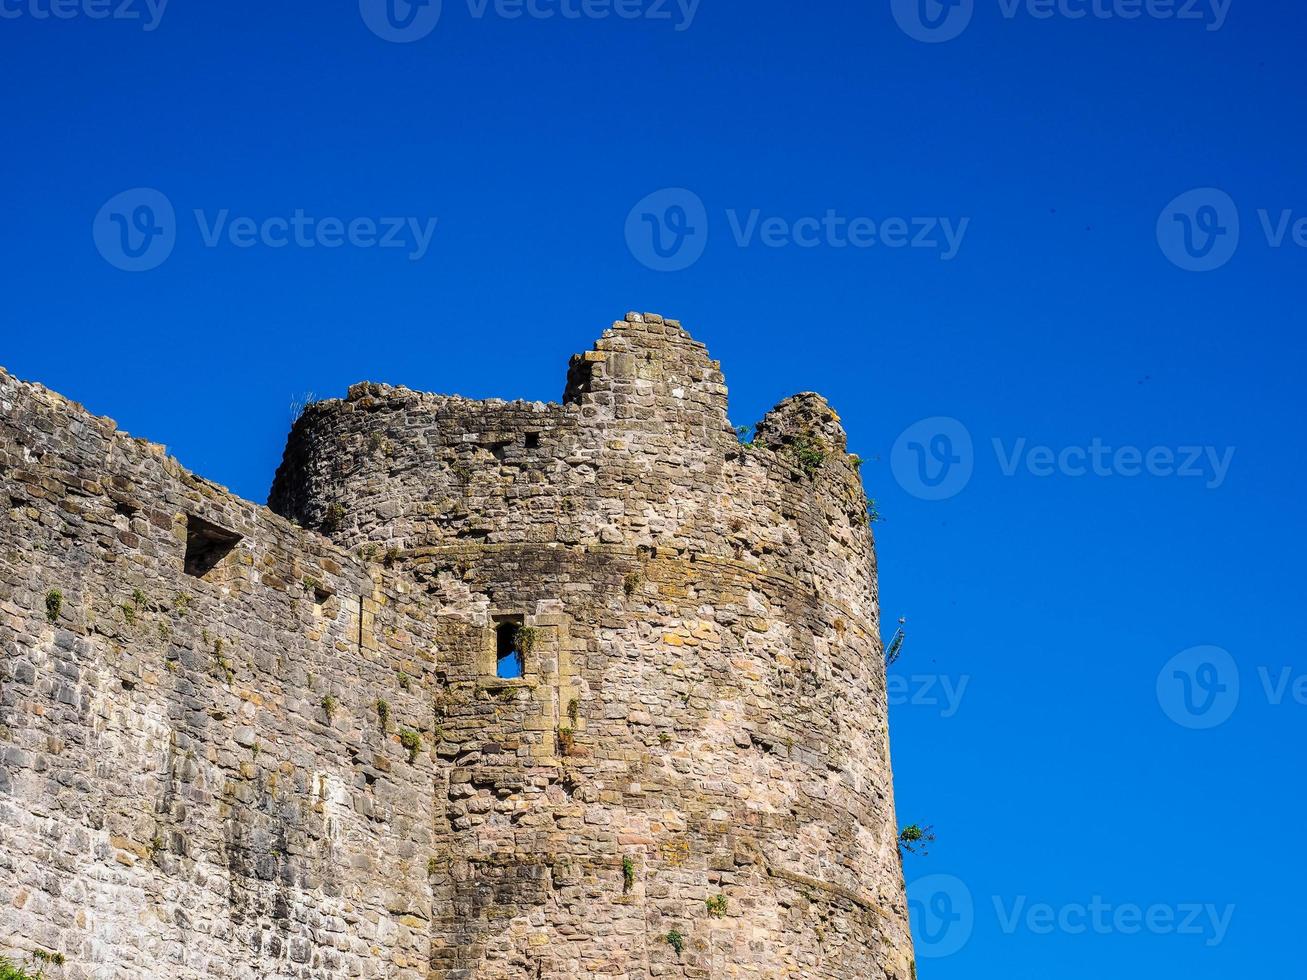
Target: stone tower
243 744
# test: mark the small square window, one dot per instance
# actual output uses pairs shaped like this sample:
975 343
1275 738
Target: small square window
207 545
533 440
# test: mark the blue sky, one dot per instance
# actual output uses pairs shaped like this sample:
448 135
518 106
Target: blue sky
1053 147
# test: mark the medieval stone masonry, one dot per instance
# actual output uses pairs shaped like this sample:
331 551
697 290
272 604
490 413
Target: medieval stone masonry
279 742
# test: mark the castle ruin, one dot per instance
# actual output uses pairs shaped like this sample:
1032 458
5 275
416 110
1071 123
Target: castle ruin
490 690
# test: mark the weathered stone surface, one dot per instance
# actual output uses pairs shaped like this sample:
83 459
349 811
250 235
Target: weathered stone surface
300 763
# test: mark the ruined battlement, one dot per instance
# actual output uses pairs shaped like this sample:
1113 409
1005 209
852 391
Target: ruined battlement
278 742
640 453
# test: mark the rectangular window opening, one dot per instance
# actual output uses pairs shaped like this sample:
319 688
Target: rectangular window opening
508 653
207 545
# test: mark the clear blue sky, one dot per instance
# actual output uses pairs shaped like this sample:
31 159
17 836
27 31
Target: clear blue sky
1059 777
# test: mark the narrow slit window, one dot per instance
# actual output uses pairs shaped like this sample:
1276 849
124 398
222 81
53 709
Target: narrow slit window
207 545
508 653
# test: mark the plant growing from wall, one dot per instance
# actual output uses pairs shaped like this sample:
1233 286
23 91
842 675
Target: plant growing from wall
299 404
334 518
631 584
411 741
383 712
329 705
573 711
808 453
914 839
628 874
717 906
223 664
527 637
675 940
9 970
54 603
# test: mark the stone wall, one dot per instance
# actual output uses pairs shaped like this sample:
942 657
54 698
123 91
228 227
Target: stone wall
302 763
